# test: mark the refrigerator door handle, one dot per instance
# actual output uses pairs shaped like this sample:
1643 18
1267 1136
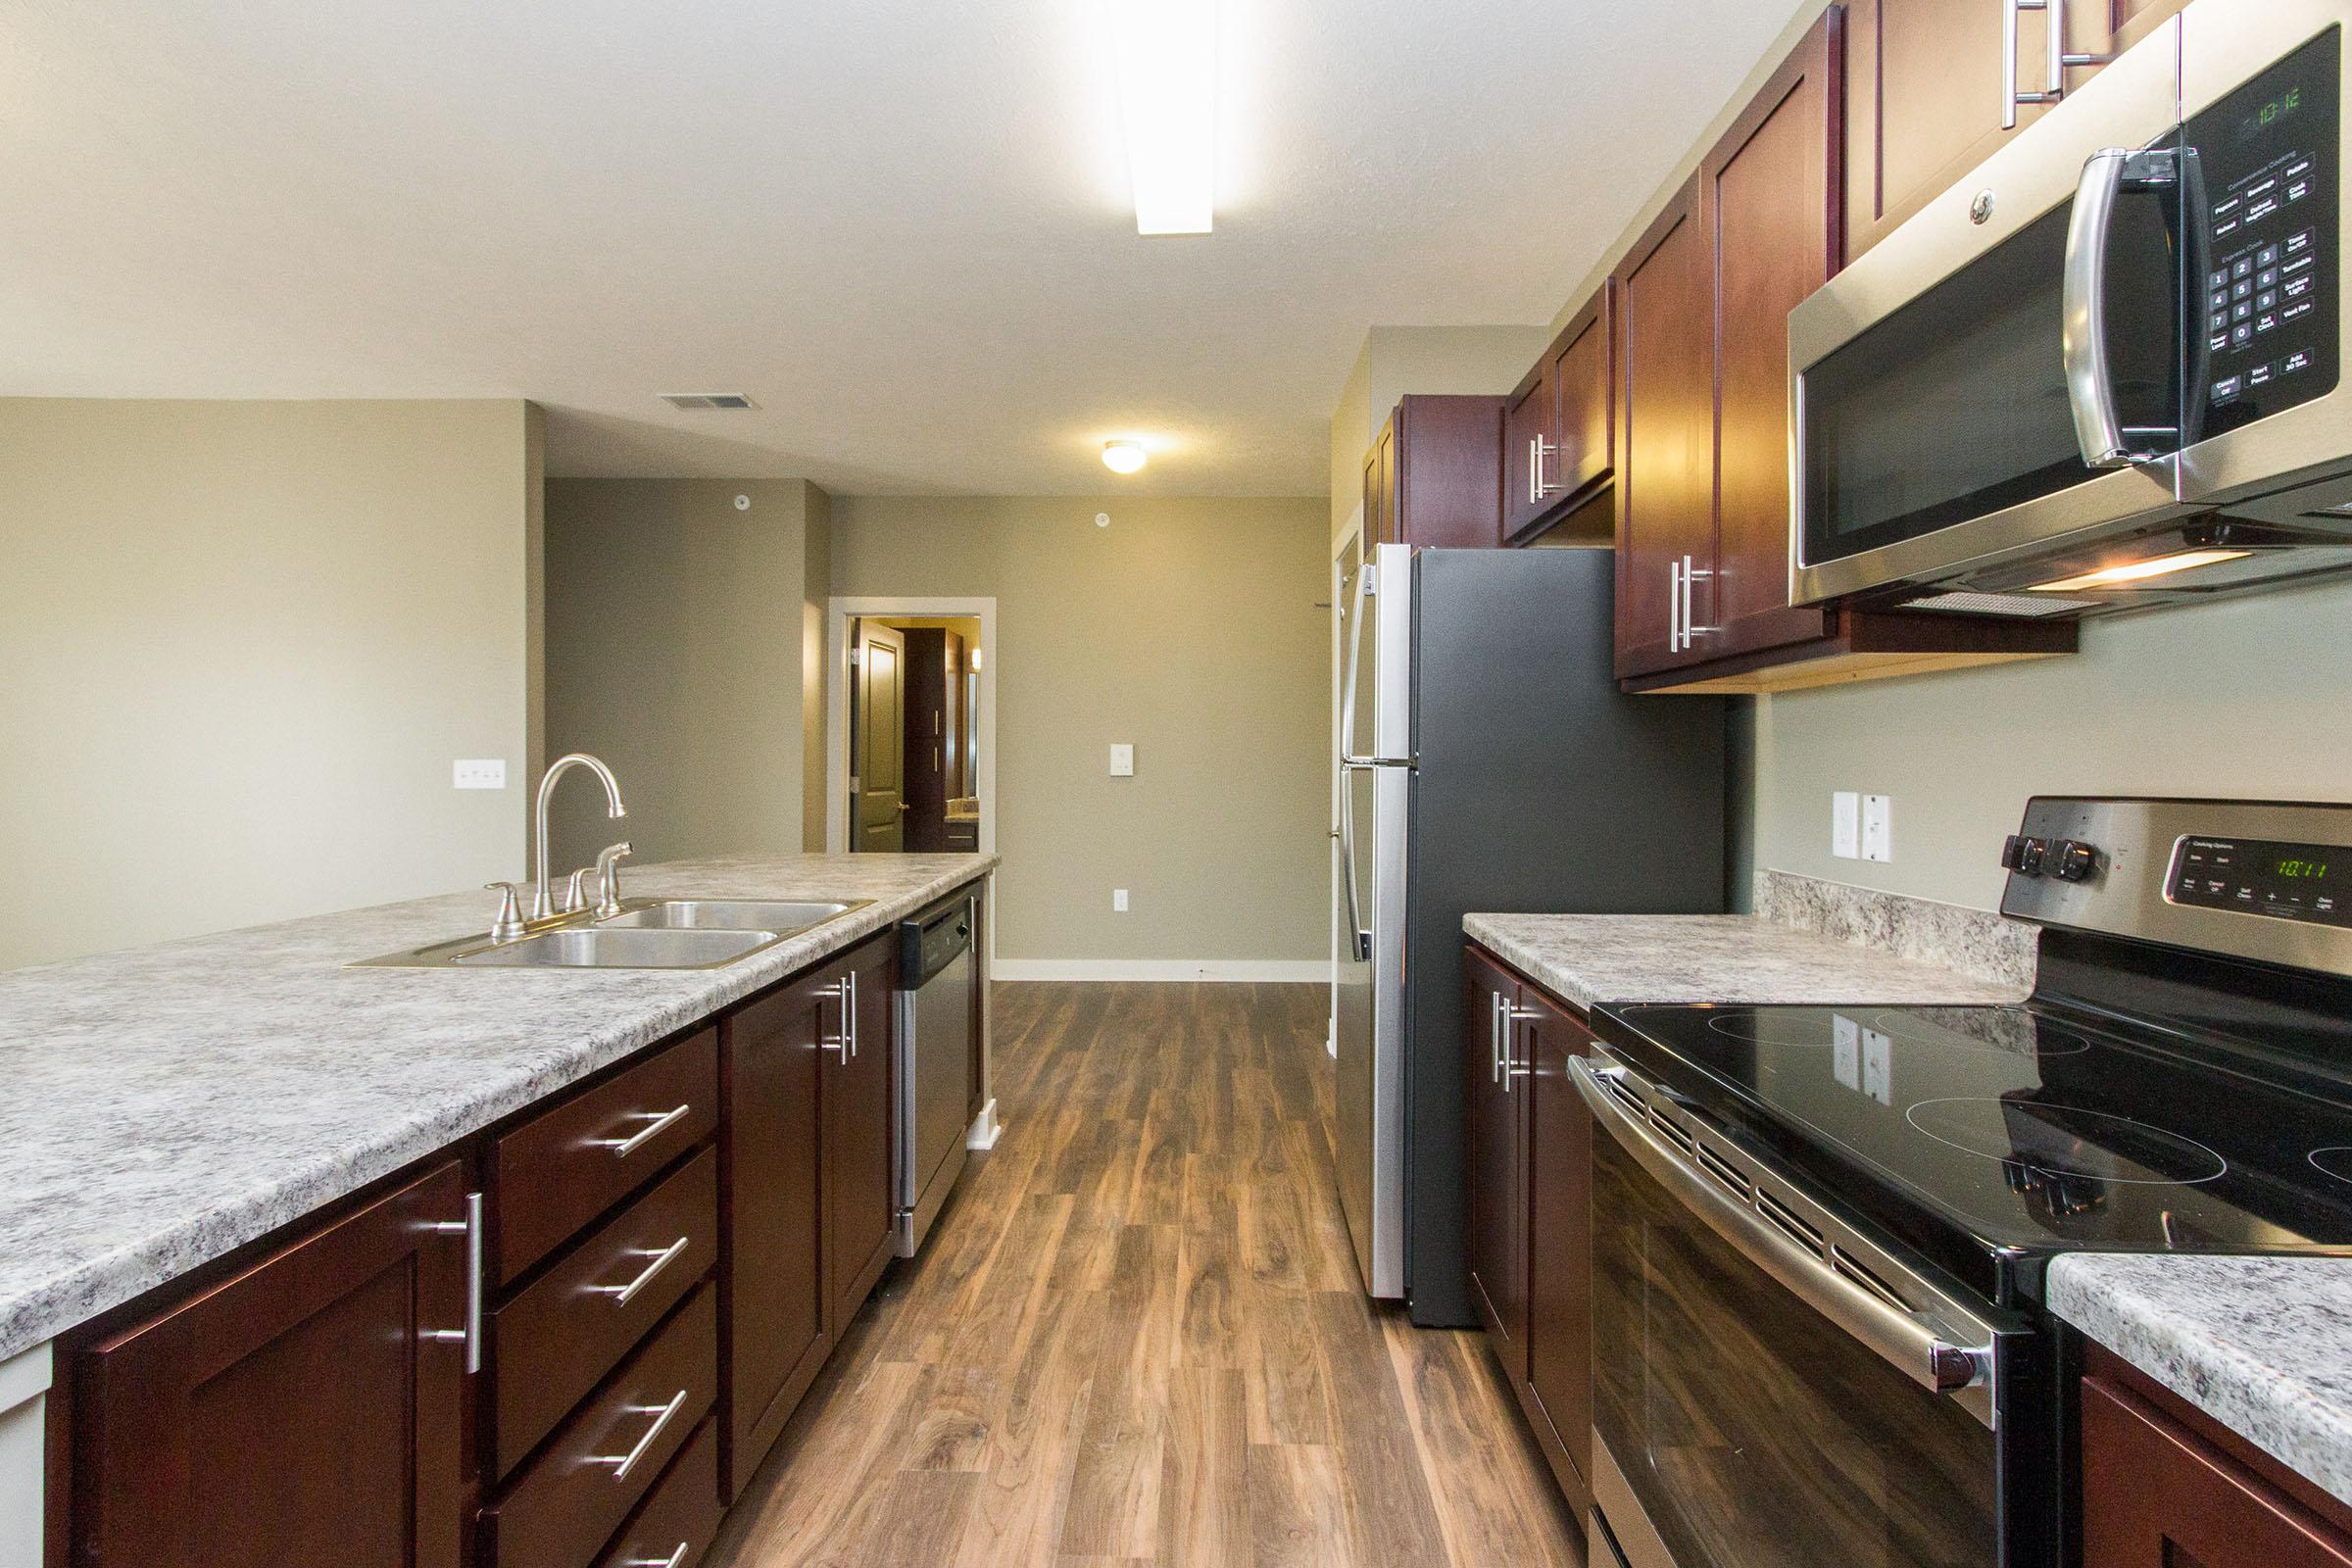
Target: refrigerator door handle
1359 940
1367 586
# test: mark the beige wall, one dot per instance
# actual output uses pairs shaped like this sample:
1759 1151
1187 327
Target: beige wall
244 642
677 629
816 578
2241 698
1189 627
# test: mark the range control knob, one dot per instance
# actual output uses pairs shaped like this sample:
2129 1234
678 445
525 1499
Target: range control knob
2029 858
2072 860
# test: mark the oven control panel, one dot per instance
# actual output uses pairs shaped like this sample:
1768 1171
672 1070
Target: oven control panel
2274 877
2266 305
2270 881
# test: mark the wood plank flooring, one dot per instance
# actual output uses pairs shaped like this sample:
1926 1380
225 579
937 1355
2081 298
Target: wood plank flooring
1137 1335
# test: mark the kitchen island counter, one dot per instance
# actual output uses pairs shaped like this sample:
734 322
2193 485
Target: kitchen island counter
169 1103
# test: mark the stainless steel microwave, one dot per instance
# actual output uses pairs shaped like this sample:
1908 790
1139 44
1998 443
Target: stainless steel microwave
2107 369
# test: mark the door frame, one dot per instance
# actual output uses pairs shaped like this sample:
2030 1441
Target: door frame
840 610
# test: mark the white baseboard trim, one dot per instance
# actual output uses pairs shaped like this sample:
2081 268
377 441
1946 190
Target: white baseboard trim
1261 972
985 1129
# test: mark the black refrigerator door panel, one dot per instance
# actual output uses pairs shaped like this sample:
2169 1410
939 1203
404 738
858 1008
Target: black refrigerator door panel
1541 787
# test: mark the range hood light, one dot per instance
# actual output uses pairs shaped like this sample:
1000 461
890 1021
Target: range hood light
2140 571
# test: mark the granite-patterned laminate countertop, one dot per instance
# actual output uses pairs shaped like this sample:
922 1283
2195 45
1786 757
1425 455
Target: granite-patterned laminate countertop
166 1105
1591 959
2261 1344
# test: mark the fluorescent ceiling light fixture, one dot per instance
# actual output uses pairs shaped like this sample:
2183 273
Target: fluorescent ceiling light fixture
1165 53
2140 571
1122 457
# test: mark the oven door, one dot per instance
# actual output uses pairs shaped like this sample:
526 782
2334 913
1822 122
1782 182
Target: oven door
1772 1389
1940 386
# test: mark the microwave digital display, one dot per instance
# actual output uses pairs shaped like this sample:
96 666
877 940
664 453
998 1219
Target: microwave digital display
2264 325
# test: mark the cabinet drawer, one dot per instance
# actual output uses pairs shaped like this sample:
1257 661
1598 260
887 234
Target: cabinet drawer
560 1170
558 1338
679 1517
566 1502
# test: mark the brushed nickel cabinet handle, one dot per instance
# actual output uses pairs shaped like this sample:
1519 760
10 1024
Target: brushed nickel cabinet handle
623 1294
671 1561
656 1122
471 1336
662 1415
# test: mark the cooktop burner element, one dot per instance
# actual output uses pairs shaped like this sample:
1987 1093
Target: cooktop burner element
1798 1031
2067 1141
2335 1160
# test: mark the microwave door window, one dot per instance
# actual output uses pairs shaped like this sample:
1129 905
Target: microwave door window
1955 406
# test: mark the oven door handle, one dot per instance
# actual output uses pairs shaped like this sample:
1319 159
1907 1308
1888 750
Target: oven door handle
1902 1340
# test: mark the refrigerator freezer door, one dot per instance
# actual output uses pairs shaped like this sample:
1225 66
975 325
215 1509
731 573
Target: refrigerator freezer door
1371 997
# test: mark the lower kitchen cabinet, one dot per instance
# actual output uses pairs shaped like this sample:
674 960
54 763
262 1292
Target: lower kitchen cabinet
858 1194
1556 1391
2165 1487
1494 1132
309 1409
772 1278
1529 1178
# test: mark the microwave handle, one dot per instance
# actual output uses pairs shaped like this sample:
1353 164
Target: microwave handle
1901 1339
2089 376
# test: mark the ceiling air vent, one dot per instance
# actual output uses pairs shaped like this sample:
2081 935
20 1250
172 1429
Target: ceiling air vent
1999 603
708 400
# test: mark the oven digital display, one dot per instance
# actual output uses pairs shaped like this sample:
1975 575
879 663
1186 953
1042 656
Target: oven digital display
2264 876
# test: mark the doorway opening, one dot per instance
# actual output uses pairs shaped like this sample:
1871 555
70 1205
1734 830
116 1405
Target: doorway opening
910 726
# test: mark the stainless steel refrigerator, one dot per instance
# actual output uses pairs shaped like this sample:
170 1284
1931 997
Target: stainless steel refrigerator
1488 763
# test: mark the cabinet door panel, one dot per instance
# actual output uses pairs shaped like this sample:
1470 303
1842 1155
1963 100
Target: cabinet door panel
1666 428
857 1139
1582 375
1559 1209
295 1413
1528 419
771 1274
2155 1496
1769 189
1494 1137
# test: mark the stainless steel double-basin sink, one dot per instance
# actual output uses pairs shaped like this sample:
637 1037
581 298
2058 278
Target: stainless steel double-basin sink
647 934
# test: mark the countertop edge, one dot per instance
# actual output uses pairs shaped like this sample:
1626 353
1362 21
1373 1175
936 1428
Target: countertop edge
2112 1299
106 1280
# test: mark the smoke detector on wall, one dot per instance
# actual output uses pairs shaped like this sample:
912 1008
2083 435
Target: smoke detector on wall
708 400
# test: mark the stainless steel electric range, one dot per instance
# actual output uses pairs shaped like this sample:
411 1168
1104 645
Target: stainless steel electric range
1819 1232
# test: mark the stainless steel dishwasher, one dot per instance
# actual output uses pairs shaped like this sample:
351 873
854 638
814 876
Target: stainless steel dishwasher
934 1061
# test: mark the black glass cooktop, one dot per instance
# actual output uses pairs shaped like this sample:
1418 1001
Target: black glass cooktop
1993 1136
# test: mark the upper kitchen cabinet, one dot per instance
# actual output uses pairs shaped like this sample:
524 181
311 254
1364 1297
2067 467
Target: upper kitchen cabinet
1933 86
1558 430
1665 430
1702 473
1434 476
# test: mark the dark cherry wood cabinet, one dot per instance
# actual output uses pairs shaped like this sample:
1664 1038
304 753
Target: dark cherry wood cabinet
303 1411
1558 1382
1559 429
1925 79
1494 1132
773 1329
1434 474
1665 429
855 1102
925 712
2162 1486
1530 1179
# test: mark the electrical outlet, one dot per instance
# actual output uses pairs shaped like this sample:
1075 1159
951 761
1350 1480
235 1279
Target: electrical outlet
1118 901
1123 761
1845 824
480 774
1878 827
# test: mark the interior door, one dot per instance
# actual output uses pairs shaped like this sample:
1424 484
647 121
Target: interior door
879 744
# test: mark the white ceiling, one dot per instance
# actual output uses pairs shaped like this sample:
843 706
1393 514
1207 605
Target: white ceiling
900 224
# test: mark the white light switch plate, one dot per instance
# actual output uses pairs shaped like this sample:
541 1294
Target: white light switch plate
1118 901
1845 824
1878 827
1123 761
480 774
